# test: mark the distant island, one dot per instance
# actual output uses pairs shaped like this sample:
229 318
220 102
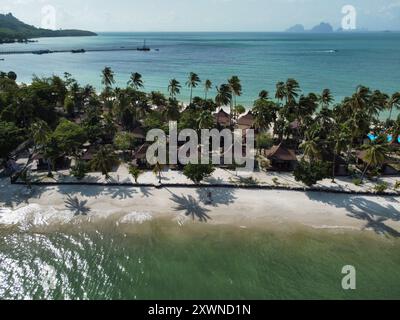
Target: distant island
14 30
323 27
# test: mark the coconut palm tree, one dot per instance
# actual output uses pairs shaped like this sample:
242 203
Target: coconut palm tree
236 87
104 160
40 133
205 120
263 95
224 95
311 147
280 91
375 155
292 89
326 98
207 87
340 139
136 81
393 103
174 88
193 82
107 77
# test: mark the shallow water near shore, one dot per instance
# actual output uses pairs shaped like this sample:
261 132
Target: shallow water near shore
159 259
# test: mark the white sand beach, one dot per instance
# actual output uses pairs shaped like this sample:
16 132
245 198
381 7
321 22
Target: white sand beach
44 206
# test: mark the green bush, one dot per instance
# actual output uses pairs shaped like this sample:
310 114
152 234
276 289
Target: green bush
357 182
79 170
397 185
198 172
310 173
381 187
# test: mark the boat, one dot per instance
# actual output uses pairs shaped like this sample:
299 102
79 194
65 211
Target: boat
42 52
78 51
144 48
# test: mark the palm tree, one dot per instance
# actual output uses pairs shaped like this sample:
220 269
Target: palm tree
135 172
40 133
205 120
158 168
236 90
340 138
375 155
104 160
292 89
311 148
107 77
193 82
207 87
280 91
263 95
224 95
136 81
393 103
174 88
326 98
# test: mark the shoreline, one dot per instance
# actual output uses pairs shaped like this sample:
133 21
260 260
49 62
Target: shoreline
66 205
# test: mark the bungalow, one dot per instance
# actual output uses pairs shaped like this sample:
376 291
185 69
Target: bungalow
42 164
139 134
223 119
246 122
88 154
281 158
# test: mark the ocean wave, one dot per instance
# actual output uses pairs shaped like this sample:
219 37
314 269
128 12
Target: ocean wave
33 215
136 217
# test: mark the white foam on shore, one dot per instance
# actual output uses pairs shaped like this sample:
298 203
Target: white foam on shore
33 215
136 217
326 227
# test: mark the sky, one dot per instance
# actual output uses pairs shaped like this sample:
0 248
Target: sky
200 15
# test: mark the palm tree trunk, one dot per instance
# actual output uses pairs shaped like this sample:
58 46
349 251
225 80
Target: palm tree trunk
334 167
191 94
364 172
390 115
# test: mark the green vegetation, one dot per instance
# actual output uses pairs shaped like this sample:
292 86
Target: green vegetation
12 30
63 119
198 172
310 174
381 187
80 170
135 172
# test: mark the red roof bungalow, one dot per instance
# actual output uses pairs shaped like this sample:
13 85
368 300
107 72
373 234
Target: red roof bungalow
246 122
222 118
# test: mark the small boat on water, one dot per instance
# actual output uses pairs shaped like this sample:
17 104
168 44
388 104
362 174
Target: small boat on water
42 52
78 51
144 48
1 59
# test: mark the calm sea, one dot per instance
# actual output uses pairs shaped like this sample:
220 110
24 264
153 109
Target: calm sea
336 61
160 260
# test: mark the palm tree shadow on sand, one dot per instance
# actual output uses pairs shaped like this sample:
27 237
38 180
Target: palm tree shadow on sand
373 213
191 207
78 207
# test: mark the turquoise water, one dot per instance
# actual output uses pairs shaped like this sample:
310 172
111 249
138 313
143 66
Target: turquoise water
159 260
336 61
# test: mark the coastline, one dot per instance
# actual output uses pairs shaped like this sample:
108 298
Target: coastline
67 205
